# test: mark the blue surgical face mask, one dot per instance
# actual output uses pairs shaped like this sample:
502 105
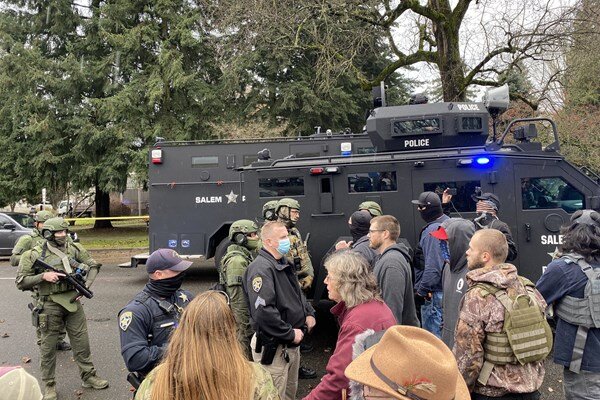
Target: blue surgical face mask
284 246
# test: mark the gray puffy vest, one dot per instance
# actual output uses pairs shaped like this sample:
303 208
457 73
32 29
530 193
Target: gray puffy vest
585 312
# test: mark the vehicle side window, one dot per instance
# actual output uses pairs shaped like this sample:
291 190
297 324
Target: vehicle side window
378 181
462 200
249 159
4 220
547 193
205 161
281 187
366 150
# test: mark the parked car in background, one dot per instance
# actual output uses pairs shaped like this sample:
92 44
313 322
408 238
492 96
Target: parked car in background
12 226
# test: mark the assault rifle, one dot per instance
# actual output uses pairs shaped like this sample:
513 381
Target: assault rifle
75 279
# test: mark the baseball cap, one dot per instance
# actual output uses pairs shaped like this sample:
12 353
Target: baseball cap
428 199
440 233
18 384
163 259
489 197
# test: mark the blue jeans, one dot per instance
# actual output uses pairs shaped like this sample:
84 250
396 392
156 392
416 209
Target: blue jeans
582 386
431 314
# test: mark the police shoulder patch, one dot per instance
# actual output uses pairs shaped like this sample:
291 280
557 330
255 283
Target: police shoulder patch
256 283
125 319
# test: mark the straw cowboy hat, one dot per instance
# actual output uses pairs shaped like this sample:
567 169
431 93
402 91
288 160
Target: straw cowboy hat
410 363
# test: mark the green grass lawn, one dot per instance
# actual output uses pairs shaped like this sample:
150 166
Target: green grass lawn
123 235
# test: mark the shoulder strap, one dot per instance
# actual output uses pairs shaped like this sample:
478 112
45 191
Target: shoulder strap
486 288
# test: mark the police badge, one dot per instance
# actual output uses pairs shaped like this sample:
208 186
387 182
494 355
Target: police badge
125 320
256 283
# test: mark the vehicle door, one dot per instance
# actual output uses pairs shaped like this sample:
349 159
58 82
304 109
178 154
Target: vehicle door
8 237
548 196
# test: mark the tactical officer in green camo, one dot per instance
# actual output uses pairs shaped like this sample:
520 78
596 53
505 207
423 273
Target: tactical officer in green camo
268 211
288 212
28 242
372 207
58 306
243 235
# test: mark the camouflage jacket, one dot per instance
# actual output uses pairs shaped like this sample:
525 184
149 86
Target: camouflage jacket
479 315
264 388
233 266
299 251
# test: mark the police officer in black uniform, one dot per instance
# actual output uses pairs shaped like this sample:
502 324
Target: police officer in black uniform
279 312
147 321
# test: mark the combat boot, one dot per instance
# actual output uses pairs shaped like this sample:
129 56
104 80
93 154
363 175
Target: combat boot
95 383
50 393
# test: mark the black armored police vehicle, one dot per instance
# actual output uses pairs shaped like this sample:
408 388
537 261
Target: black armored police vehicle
422 147
195 188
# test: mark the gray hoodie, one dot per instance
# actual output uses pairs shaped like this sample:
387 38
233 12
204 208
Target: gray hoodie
394 278
459 233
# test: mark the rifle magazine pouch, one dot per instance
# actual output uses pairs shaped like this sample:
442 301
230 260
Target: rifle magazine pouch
42 322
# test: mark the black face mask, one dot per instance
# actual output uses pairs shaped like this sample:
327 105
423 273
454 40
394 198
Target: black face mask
431 213
359 224
166 287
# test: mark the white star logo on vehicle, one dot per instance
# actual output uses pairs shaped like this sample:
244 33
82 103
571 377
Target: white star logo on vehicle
183 297
555 254
231 197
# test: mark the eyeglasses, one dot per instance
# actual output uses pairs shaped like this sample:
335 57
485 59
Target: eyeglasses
376 230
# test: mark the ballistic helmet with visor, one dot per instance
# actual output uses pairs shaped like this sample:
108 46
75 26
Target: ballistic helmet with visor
163 259
43 216
240 228
268 210
372 207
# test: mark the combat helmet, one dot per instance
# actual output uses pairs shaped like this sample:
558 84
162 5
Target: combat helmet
43 216
288 204
268 210
238 231
372 207
52 225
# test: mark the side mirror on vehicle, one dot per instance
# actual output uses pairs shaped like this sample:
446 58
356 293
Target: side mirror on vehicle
9 226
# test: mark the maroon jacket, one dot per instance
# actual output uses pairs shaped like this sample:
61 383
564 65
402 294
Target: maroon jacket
372 315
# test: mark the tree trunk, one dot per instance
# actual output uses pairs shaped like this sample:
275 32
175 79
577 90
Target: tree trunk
449 62
102 200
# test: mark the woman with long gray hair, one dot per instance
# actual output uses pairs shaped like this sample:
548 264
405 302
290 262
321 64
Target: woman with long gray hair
359 308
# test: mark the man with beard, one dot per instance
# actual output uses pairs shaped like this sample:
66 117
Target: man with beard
57 306
454 235
392 269
502 336
359 224
428 263
148 320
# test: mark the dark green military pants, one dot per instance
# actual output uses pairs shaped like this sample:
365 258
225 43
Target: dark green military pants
57 319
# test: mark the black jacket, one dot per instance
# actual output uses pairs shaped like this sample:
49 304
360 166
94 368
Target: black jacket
277 304
145 325
495 223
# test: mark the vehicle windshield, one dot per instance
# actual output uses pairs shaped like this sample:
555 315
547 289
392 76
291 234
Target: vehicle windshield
23 220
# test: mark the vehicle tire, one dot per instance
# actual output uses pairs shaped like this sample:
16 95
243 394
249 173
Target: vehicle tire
220 252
